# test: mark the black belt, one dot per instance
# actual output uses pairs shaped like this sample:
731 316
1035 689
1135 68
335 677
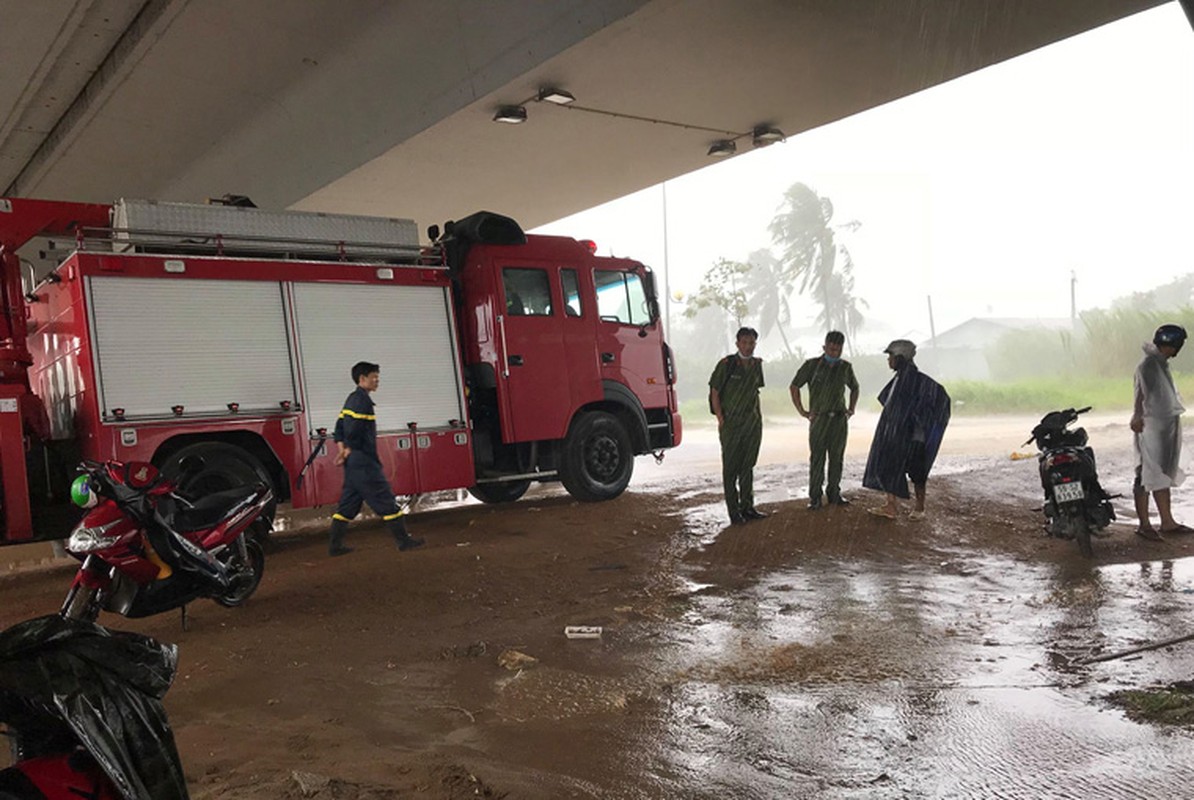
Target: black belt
830 413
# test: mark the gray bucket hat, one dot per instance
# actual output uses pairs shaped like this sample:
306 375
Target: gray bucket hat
901 347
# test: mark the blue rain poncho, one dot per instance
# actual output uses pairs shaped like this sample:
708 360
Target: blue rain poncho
915 409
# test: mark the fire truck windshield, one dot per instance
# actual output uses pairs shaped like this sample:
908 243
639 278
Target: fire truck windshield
621 297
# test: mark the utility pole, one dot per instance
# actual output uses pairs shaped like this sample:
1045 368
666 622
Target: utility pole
1073 299
734 296
932 327
667 272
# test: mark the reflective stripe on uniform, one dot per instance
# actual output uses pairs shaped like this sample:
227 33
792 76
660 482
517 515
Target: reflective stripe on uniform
349 413
395 515
341 517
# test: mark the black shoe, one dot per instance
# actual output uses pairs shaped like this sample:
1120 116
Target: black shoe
336 538
839 501
737 519
409 543
814 504
754 513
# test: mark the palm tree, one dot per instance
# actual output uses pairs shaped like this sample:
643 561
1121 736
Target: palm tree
769 291
804 232
842 312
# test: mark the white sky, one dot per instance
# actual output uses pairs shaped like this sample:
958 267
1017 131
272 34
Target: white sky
984 192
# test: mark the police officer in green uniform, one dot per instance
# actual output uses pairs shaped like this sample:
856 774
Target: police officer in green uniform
827 377
734 398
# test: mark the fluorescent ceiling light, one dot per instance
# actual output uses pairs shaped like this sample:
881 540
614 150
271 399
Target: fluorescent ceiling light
511 114
723 148
557 96
765 135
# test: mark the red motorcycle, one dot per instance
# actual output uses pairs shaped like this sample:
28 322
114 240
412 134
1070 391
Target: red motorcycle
147 548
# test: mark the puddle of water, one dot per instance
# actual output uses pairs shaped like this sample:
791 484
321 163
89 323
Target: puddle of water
850 678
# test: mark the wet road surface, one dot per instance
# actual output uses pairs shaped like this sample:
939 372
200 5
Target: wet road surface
851 678
956 673
812 654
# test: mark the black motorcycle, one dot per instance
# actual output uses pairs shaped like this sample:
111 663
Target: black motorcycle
1075 504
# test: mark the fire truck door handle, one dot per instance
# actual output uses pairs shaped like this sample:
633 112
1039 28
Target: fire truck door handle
607 358
515 361
501 321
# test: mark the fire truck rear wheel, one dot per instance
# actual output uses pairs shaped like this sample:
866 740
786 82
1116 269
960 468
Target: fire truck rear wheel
225 466
504 492
597 460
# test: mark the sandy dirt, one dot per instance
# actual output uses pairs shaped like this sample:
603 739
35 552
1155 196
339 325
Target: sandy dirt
387 674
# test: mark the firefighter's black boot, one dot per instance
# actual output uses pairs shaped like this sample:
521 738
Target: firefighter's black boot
398 531
336 538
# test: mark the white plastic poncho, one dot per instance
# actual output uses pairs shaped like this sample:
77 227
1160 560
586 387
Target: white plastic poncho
1159 445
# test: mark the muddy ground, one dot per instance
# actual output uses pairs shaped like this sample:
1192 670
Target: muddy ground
811 654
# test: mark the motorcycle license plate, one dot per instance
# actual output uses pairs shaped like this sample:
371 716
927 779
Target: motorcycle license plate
1068 492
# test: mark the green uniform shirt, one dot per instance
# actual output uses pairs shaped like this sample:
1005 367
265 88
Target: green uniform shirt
738 385
826 383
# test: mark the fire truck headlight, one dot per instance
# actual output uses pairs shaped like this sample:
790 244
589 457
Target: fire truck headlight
87 540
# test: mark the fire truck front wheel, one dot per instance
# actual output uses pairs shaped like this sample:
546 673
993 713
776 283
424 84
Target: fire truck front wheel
597 460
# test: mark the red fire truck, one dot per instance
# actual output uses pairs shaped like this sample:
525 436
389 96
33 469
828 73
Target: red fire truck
164 330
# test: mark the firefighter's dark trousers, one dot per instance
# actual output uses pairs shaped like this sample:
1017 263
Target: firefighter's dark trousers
826 440
740 440
364 482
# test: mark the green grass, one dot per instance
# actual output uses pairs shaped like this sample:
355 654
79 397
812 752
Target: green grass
775 402
1171 705
1027 396
1039 395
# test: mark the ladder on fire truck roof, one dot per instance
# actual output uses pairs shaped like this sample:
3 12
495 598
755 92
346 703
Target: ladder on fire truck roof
140 226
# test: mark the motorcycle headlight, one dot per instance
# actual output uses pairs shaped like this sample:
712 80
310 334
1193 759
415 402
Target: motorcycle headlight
86 540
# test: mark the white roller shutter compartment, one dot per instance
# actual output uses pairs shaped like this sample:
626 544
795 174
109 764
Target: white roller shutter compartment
197 343
405 329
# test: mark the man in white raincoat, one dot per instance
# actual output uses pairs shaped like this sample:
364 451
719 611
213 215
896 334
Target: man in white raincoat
1156 422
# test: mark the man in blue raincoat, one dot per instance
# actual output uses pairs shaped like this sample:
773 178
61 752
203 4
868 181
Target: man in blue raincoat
909 433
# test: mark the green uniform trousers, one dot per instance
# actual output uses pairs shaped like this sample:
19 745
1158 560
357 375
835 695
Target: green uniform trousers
826 438
740 440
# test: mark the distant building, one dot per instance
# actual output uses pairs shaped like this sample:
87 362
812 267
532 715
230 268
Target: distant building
960 353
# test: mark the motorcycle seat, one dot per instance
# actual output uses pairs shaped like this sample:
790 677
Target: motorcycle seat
206 512
1053 438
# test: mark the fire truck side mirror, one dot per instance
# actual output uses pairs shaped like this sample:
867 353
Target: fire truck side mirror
433 233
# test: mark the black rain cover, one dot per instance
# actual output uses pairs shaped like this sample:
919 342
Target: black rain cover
106 686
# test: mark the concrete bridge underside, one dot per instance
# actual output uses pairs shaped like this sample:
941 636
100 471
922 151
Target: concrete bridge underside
385 106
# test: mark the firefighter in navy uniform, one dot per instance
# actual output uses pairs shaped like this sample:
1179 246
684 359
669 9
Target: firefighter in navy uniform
364 481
